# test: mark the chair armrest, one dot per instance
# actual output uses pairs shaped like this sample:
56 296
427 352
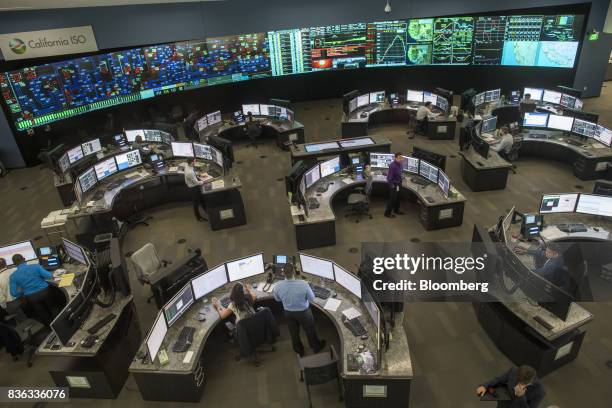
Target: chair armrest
10 317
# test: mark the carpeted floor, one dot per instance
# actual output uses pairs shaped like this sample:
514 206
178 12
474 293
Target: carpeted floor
450 352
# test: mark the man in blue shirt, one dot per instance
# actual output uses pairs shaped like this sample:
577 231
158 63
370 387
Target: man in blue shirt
29 281
296 296
551 266
394 179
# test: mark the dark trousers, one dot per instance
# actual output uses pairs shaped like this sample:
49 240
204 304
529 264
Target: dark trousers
42 306
198 201
393 204
305 320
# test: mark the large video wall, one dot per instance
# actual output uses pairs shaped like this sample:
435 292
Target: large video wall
46 93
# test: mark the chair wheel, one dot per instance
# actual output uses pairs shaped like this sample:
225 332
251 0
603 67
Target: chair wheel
30 365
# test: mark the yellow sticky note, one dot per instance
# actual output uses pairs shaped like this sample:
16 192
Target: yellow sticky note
66 280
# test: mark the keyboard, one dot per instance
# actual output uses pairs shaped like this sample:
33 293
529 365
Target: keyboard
419 181
355 326
569 228
313 203
573 142
321 293
225 301
184 340
101 323
538 136
322 187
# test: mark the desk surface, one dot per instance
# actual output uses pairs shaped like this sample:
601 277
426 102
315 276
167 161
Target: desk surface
221 127
355 116
114 184
342 181
494 161
396 362
589 148
299 151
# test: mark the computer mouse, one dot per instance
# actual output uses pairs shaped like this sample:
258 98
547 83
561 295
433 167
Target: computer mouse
364 337
596 229
334 294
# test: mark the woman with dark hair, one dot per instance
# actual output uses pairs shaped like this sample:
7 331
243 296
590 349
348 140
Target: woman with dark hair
241 305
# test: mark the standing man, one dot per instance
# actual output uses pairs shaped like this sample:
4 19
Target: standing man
296 296
525 389
30 281
195 184
394 180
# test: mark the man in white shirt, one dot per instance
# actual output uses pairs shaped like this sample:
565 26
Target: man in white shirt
423 113
195 184
5 292
504 145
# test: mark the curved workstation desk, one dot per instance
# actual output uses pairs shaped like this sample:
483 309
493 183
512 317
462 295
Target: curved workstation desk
276 122
91 363
311 152
441 205
183 376
373 109
131 185
483 174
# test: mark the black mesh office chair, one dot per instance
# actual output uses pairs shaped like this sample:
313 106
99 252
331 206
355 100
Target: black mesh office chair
254 331
513 154
20 333
359 201
319 369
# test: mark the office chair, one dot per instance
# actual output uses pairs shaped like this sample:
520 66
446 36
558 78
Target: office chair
147 264
513 154
254 331
359 201
319 369
253 131
17 326
581 287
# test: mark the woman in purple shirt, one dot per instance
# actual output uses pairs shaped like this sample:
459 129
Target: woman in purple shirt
394 179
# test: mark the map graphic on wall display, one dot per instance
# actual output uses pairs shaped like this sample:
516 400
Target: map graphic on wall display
50 92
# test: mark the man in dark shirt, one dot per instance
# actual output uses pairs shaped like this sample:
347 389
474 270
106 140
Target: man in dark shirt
394 179
525 390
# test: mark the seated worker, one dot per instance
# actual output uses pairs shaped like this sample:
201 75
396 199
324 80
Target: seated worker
241 303
137 143
504 144
5 291
552 264
194 183
526 391
423 113
296 296
527 105
30 281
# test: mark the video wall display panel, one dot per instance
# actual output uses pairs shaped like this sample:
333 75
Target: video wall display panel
50 92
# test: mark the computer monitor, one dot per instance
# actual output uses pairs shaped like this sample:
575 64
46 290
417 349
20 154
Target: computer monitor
531 225
25 248
363 100
153 135
515 96
63 325
375 314
201 124
377 97
603 187
480 146
238 117
266 110
105 168
317 266
156 336
87 179
245 267
443 182
75 154
431 157
381 160
584 128
330 166
178 304
318 147
503 227
567 101
209 281
182 149
489 125
428 171
479 99
352 105
91 147
603 135
410 164
559 122
594 205
414 96
442 103
202 151
578 104
347 280
74 251
493 95
128 159
362 141
157 162
551 97
430 97
120 140
63 162
312 176
213 118
132 134
533 119
253 108
558 203
536 93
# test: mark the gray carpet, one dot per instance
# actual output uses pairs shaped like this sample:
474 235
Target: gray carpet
450 351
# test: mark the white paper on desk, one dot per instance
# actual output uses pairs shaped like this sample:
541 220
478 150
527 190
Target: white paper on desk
218 184
347 180
173 169
351 313
188 357
598 146
332 304
91 204
295 211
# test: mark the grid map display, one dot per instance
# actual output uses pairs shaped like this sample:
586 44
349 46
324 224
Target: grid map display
49 92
